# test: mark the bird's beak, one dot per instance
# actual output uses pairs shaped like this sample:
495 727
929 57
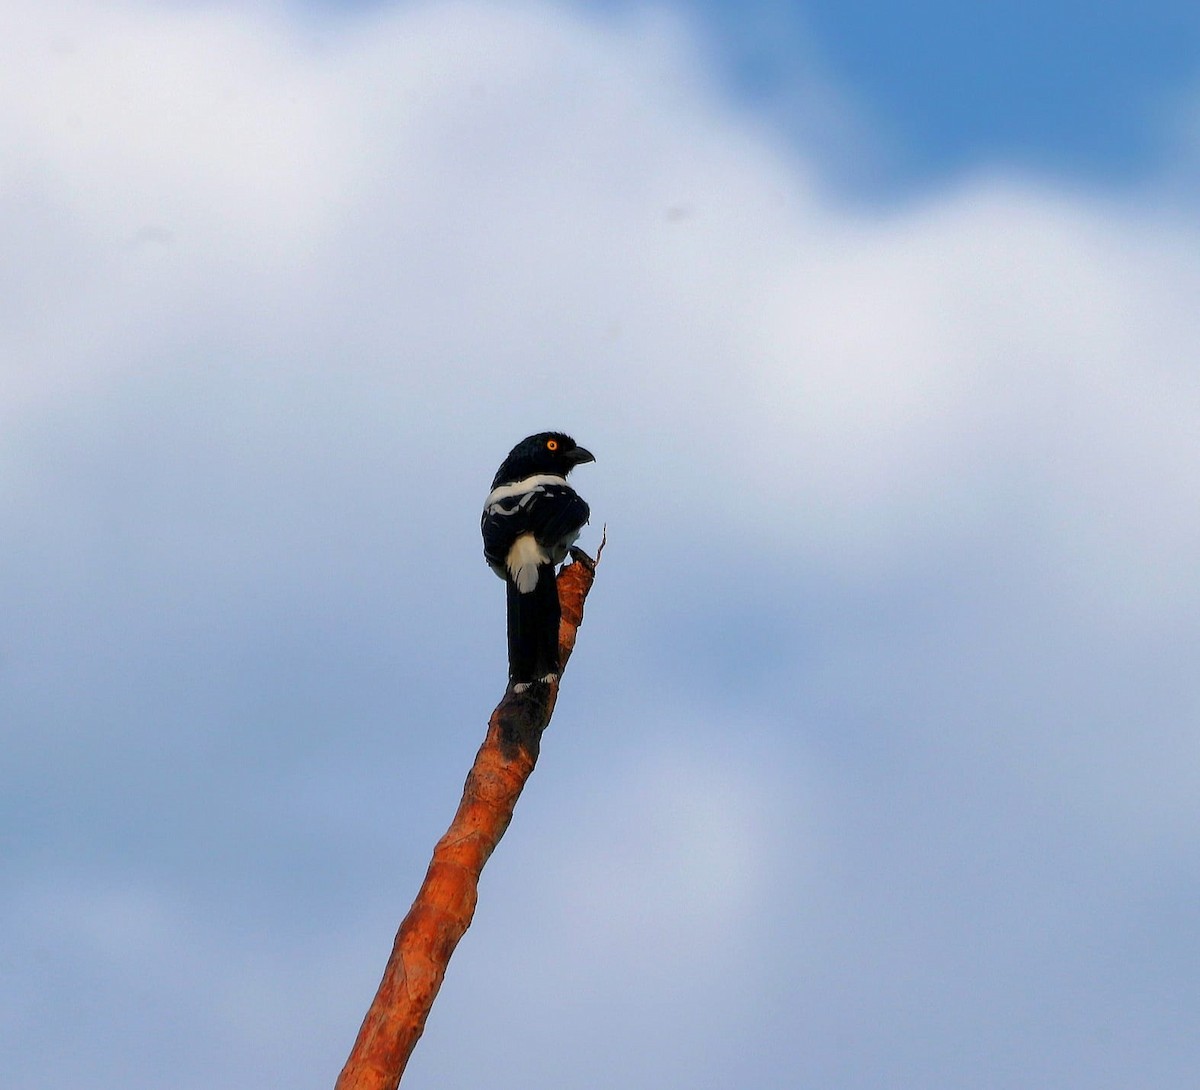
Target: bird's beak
579 455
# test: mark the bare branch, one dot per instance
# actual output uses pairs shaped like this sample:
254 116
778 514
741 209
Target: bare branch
446 901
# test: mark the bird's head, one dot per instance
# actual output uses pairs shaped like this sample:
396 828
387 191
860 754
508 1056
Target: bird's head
546 452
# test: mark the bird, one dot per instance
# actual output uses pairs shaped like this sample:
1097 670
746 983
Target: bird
531 518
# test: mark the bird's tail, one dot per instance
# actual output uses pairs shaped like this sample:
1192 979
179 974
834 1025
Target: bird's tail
533 619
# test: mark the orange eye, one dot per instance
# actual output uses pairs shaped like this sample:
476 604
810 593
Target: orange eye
552 444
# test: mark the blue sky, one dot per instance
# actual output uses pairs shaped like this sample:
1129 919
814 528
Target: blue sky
883 724
1089 90
1094 92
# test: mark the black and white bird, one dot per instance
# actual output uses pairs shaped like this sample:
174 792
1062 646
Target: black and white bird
531 518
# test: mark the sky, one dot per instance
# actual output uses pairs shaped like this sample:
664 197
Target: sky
878 760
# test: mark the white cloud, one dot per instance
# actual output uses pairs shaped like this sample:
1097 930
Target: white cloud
384 217
280 292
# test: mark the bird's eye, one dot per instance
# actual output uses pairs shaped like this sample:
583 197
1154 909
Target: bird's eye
552 444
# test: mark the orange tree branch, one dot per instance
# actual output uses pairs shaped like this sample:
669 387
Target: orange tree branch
445 903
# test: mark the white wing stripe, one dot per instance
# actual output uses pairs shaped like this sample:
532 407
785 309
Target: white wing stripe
518 488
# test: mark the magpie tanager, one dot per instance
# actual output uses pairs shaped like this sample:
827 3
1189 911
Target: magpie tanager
531 518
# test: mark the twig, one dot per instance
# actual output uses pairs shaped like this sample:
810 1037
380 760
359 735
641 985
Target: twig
446 901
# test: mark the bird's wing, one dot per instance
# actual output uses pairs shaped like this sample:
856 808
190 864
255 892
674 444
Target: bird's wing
501 527
552 512
557 515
